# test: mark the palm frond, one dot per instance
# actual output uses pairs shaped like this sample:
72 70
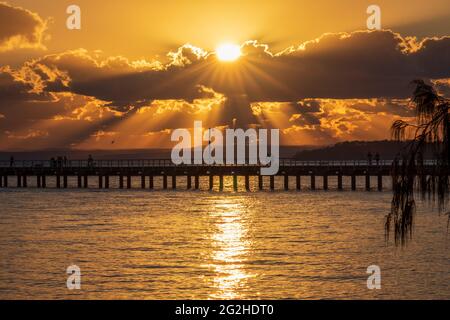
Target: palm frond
409 173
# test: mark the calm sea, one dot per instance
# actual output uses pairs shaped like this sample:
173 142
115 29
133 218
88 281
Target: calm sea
214 245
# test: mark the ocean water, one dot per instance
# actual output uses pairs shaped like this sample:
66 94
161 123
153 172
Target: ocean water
142 244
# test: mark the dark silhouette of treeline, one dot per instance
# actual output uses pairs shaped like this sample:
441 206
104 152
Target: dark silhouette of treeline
356 150
351 150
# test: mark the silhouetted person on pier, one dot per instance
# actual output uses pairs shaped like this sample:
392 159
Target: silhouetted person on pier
65 161
377 158
90 161
11 161
369 158
53 162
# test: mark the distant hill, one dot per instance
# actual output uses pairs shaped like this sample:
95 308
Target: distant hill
353 150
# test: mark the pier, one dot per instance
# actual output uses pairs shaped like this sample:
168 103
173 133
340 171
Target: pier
19 173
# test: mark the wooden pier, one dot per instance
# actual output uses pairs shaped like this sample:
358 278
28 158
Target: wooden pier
19 173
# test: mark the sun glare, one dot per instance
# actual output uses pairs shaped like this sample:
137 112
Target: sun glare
228 52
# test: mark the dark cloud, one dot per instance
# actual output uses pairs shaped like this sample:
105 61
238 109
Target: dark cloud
20 28
11 90
33 119
443 87
309 106
433 58
337 87
392 107
363 64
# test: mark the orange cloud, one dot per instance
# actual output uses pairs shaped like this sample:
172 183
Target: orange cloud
20 28
361 64
345 86
29 134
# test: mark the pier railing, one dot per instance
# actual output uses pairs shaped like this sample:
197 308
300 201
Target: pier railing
149 163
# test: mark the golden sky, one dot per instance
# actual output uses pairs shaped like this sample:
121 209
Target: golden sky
143 28
129 77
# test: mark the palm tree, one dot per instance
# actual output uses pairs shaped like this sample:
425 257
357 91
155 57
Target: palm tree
430 134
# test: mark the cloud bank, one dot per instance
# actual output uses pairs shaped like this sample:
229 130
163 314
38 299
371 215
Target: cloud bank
341 86
361 64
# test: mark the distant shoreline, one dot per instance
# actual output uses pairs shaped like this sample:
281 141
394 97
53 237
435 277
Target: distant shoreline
348 150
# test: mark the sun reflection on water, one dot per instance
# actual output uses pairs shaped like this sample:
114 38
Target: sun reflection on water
231 248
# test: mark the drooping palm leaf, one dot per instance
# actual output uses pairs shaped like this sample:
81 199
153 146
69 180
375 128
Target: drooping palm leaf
409 173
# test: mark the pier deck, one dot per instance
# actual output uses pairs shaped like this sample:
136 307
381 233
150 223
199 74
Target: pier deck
17 173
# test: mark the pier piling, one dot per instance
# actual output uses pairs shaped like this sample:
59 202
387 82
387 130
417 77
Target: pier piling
325 182
164 182
380 182
211 182
196 182
151 186
339 181
313 182
188 182
221 182
353 182
143 181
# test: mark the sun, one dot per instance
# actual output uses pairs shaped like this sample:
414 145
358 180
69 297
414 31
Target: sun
228 52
